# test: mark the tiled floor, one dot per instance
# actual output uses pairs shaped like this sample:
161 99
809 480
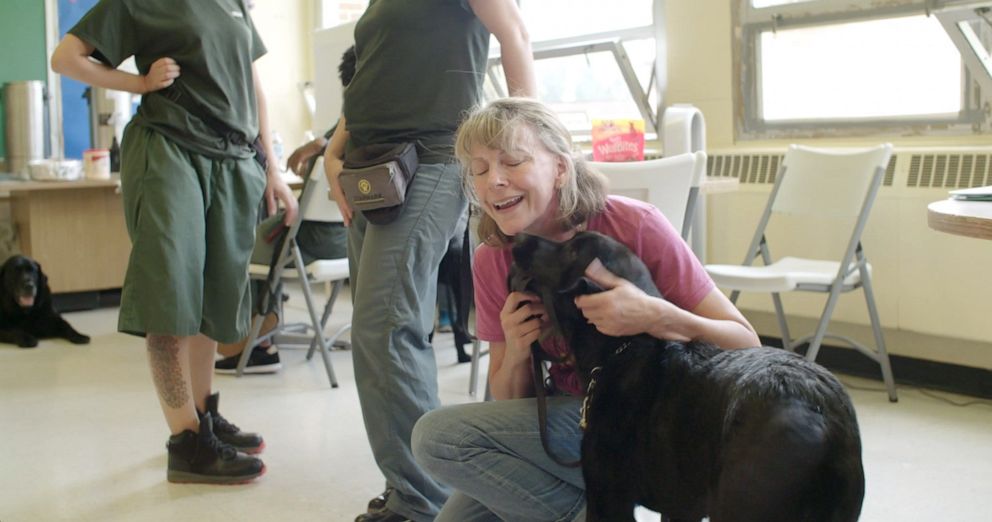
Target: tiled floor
82 439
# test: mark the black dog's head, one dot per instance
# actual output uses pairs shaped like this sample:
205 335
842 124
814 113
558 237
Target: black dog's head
555 272
22 283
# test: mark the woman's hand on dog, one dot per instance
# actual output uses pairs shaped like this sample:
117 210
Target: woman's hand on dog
623 309
522 318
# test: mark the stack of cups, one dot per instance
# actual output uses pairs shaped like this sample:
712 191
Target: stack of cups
96 163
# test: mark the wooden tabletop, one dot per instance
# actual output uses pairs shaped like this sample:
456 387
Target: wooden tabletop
963 218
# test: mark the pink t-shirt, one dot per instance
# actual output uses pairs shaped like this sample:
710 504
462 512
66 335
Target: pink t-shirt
677 273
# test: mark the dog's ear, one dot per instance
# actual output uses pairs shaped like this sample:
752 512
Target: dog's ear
43 290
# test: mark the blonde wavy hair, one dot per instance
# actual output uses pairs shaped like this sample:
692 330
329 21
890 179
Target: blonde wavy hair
498 125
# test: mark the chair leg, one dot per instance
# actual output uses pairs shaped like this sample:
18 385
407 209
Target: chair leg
473 379
876 326
783 325
256 327
473 384
328 306
318 332
821 328
325 354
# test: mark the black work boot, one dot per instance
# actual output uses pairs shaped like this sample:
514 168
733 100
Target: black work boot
250 443
379 503
202 458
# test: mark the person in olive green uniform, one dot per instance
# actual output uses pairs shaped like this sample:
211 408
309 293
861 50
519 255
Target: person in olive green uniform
190 202
420 69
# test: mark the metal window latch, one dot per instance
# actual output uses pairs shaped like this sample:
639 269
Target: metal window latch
776 20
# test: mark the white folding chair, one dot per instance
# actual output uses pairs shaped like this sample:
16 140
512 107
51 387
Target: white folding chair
315 205
818 186
671 184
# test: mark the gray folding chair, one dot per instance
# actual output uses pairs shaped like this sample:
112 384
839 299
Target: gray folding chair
819 186
315 205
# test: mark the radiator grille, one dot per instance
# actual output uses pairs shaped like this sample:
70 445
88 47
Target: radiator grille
936 170
762 168
949 170
748 168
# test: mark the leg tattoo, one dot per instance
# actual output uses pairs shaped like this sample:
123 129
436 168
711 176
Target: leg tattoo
167 371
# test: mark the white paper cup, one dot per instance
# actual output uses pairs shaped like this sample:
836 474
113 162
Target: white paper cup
96 163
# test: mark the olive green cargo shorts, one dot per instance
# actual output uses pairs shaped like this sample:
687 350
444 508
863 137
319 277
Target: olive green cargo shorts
191 220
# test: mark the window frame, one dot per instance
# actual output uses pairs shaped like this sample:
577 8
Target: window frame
611 42
649 99
750 22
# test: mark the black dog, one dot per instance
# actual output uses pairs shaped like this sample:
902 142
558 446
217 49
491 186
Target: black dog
687 429
26 311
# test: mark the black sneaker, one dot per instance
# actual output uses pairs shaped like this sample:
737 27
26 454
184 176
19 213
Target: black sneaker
379 503
201 458
383 515
260 361
228 433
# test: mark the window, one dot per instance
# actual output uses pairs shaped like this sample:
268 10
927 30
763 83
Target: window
824 67
331 13
554 19
594 60
603 77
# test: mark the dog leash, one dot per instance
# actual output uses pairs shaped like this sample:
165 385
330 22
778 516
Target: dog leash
536 357
593 375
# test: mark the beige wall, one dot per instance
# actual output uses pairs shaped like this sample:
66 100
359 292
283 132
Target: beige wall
285 27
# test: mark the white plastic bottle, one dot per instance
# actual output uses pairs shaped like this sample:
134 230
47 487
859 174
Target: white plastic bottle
277 149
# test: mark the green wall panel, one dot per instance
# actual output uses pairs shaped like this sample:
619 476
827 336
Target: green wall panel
22 46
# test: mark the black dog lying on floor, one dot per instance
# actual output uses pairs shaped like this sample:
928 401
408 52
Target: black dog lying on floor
687 429
26 311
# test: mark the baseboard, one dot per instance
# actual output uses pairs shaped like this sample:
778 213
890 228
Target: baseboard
78 301
954 378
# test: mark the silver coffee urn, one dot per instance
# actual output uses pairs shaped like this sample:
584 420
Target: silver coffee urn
24 124
110 111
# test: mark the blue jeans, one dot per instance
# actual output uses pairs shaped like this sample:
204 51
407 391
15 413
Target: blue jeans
394 284
491 454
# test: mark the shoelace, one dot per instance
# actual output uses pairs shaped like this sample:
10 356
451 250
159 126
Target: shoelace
222 425
225 450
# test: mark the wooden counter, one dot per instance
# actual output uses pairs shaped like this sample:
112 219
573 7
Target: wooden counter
74 229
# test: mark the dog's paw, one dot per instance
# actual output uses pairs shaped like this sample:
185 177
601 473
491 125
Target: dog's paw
79 339
27 342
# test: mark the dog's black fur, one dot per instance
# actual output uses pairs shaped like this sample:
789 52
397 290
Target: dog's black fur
687 429
26 311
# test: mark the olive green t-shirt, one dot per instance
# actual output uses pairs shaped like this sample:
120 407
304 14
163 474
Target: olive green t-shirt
213 41
420 68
